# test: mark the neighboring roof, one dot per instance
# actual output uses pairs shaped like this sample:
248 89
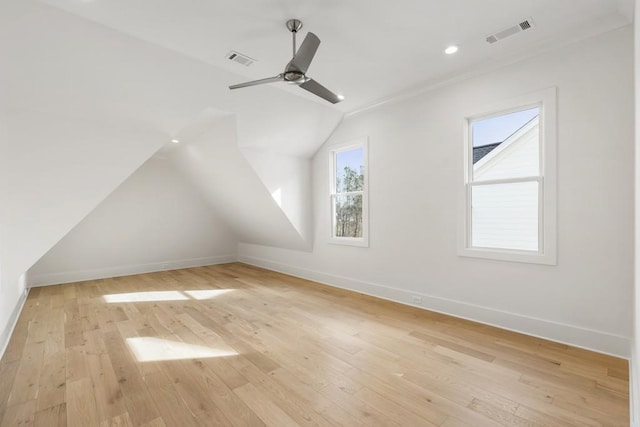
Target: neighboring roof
483 150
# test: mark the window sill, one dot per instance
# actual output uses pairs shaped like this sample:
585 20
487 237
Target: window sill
509 255
350 241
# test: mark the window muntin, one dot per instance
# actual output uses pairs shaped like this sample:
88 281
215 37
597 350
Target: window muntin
349 194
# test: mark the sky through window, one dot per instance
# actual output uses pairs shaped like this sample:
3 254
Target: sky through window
497 129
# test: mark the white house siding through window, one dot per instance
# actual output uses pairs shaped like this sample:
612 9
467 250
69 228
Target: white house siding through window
505 214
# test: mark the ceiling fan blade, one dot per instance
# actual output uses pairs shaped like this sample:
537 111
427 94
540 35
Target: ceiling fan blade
317 89
305 54
277 78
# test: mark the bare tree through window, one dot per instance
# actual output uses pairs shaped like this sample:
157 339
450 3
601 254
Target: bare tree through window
348 193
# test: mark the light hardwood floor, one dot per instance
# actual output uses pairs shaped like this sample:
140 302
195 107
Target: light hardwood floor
276 350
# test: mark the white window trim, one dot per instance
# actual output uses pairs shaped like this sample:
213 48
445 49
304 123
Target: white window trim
333 150
547 217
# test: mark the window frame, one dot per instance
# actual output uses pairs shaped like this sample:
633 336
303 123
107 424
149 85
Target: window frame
546 100
363 241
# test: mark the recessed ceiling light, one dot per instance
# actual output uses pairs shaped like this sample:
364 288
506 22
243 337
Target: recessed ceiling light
175 141
451 50
340 96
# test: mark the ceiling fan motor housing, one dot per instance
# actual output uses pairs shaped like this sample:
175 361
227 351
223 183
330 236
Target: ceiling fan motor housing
294 77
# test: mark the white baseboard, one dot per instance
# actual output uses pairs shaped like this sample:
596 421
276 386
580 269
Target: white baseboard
125 270
11 324
576 336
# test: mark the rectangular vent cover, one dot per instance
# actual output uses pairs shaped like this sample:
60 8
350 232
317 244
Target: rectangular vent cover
240 58
508 32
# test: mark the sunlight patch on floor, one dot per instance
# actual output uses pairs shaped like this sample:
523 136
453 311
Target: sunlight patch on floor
150 349
145 296
151 296
207 293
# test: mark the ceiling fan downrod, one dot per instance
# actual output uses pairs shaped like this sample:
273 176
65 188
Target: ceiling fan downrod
294 25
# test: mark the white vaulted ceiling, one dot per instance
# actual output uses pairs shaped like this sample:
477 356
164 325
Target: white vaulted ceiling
370 49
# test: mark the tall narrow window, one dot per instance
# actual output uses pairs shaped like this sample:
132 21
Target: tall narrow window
349 212
509 193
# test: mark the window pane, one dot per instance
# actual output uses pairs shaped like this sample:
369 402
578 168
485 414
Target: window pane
348 216
350 170
505 216
506 146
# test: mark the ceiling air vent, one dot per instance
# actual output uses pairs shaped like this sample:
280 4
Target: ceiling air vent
508 32
240 58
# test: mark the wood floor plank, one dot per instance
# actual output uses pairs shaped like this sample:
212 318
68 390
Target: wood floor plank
429 406
25 388
499 415
192 388
52 381
235 410
8 371
297 391
18 339
52 416
106 389
237 345
171 405
76 363
271 414
81 404
390 409
141 408
21 414
119 421
156 422
357 408
297 406
541 418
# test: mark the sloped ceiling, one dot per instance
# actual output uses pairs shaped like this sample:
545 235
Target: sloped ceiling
68 65
212 161
83 106
155 219
370 49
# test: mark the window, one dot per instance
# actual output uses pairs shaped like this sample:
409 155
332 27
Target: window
509 191
349 197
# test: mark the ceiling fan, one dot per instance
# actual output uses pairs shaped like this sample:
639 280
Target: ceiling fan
296 69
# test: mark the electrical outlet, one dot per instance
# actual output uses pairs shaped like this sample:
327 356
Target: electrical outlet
416 299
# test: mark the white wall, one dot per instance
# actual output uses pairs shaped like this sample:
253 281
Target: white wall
415 158
288 180
154 221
